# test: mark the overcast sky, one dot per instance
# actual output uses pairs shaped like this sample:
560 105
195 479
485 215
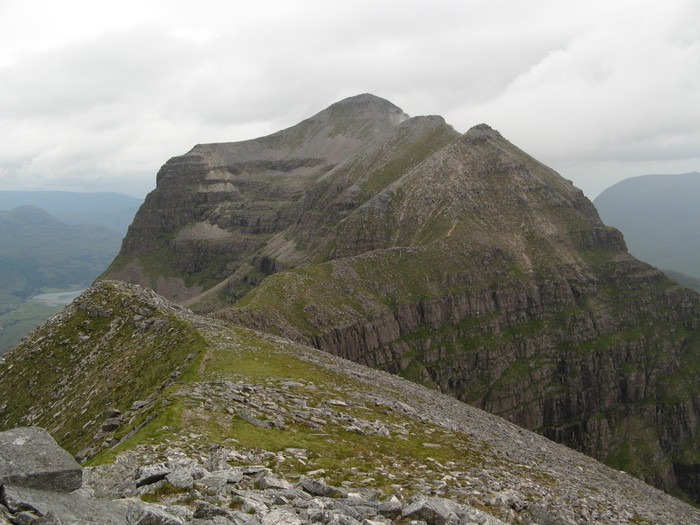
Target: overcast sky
96 96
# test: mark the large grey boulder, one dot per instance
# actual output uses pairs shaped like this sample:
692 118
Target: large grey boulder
30 457
74 509
439 511
318 488
62 507
145 514
281 516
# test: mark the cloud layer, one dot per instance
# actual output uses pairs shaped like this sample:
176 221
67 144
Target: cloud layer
97 100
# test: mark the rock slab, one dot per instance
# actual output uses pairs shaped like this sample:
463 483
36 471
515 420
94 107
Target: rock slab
63 508
30 457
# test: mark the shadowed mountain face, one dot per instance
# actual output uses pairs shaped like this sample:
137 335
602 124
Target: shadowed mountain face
660 218
457 261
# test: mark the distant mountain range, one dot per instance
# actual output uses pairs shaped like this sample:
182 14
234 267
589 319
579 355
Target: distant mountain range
38 250
111 210
41 252
659 216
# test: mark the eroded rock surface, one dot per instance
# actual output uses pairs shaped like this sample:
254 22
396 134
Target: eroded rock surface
30 457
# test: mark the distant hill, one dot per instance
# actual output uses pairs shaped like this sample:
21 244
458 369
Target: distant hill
45 251
685 280
111 210
40 252
659 217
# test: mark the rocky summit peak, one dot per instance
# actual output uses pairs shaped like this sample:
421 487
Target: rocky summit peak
366 100
481 132
365 105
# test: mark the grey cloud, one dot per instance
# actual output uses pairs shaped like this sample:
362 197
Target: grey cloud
574 85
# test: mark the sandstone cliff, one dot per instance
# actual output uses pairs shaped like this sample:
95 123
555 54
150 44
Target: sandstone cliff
221 214
457 261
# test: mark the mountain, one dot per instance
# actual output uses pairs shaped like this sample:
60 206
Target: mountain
220 214
221 424
659 216
114 211
455 260
37 251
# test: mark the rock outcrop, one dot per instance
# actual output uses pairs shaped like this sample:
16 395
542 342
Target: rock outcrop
254 495
29 457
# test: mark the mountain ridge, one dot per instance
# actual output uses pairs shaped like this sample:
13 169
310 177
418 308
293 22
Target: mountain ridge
214 396
457 260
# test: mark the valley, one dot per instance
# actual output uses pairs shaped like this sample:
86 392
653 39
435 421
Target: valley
41 253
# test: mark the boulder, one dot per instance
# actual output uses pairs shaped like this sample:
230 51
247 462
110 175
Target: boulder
111 424
431 510
281 517
180 478
144 514
148 474
30 457
389 509
212 484
206 510
439 511
273 482
136 405
63 507
318 488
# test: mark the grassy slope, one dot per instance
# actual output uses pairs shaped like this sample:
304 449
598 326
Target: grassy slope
244 356
17 320
105 355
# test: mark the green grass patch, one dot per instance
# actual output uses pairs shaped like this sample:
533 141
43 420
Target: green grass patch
113 360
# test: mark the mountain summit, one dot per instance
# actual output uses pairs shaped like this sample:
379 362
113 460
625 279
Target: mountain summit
455 260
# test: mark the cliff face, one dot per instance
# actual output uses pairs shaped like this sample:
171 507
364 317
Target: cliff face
222 213
456 261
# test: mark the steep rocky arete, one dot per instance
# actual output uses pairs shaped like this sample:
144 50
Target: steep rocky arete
457 261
